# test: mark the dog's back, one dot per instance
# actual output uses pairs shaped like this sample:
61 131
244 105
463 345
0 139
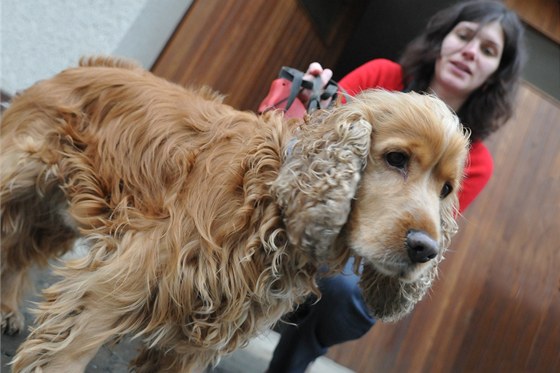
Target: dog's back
104 61
138 134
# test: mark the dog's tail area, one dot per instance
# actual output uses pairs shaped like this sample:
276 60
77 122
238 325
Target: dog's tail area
33 222
108 61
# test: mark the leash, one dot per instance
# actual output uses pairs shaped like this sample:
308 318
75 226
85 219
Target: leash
318 91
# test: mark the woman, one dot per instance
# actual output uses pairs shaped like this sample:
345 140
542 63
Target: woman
470 55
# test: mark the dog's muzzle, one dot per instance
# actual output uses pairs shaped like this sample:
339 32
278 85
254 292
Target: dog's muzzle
421 247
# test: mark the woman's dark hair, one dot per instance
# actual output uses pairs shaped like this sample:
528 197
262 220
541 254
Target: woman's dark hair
490 106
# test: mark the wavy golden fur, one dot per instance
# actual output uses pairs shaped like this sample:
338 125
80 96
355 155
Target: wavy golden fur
204 224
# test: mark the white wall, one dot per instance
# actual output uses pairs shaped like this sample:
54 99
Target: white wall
41 37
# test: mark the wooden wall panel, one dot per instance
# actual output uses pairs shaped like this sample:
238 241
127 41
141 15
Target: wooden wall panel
238 47
496 304
542 15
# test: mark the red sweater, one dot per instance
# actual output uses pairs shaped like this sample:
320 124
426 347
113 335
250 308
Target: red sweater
382 73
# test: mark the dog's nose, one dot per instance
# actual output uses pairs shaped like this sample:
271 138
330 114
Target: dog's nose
421 247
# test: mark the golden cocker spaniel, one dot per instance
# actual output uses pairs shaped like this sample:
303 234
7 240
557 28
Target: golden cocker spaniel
205 224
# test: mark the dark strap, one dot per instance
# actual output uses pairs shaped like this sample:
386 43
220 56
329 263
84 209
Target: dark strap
296 77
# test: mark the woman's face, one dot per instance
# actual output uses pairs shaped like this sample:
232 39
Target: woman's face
469 56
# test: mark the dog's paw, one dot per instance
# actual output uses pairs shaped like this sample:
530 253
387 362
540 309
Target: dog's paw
12 321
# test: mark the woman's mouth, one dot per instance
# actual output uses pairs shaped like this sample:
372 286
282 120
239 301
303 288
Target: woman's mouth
462 67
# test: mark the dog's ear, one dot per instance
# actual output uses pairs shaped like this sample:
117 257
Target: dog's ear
449 226
320 177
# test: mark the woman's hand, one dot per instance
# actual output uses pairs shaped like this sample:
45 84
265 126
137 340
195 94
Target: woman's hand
313 71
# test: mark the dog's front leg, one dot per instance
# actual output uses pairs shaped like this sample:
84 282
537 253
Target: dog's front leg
66 338
14 282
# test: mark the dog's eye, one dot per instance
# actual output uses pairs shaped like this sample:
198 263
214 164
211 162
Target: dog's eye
397 159
446 190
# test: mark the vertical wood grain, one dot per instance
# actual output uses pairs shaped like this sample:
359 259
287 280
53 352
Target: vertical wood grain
238 47
542 15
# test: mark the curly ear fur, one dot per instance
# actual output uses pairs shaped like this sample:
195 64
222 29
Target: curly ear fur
320 177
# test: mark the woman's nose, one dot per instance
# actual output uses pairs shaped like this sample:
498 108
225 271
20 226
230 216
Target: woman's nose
469 50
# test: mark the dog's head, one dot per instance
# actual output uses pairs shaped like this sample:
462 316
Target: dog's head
379 175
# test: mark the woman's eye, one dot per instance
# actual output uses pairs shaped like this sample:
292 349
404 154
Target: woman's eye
397 159
446 190
464 35
489 51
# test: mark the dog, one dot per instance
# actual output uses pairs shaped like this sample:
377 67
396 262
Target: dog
205 224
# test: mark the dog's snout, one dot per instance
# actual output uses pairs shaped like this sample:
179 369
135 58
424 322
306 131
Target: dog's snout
421 247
